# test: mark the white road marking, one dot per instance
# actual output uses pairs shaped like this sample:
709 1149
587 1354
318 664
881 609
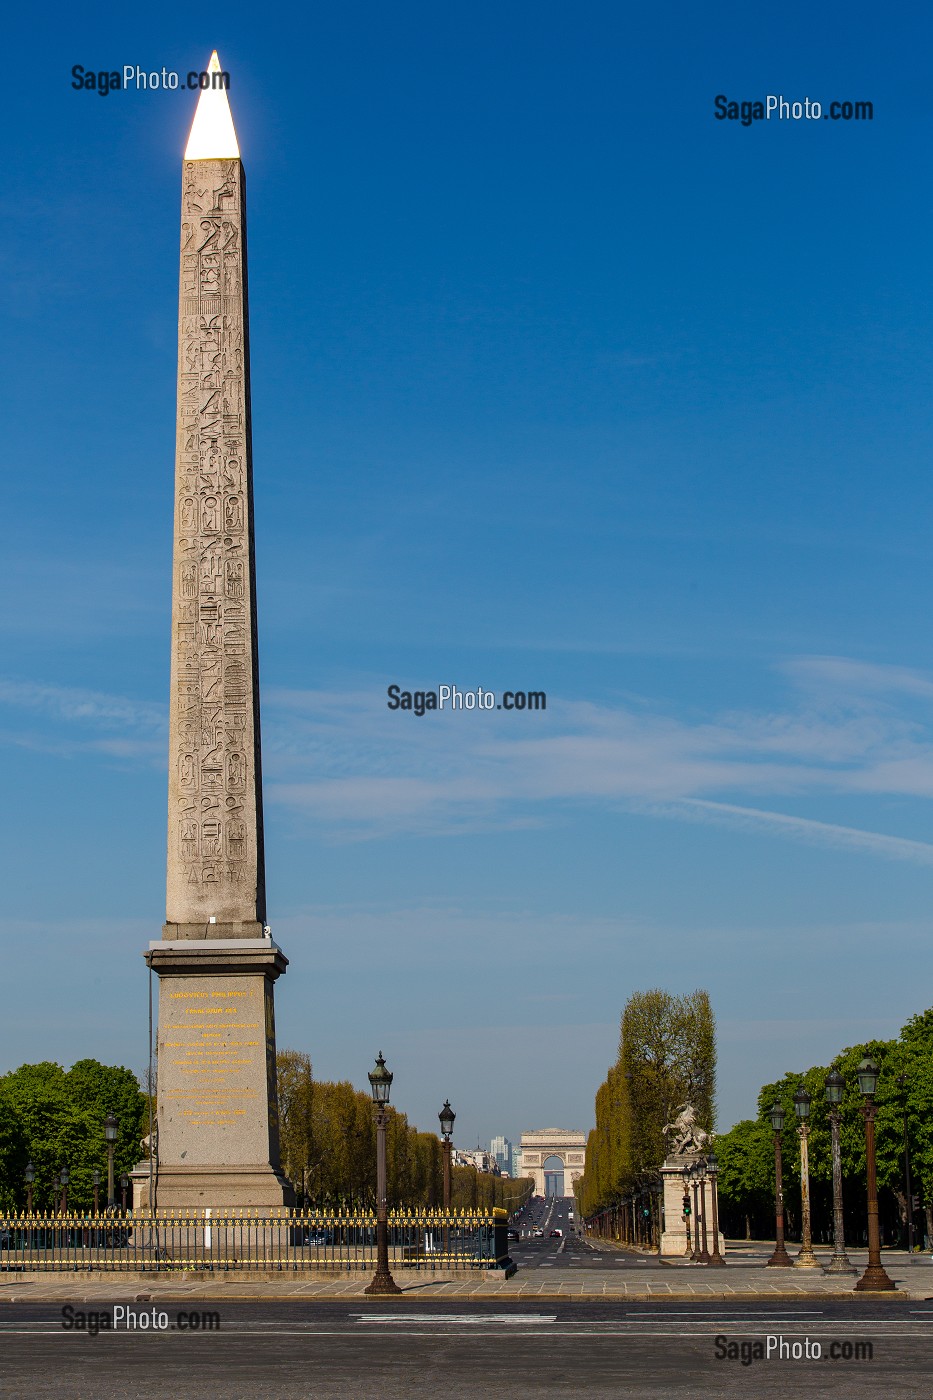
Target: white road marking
458 1319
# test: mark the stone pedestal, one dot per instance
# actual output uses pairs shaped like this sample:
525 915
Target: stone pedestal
218 1143
675 1242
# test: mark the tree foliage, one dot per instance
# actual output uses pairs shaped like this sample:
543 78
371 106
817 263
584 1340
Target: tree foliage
55 1117
667 1058
328 1139
905 1088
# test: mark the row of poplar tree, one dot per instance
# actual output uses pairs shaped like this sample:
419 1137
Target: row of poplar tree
328 1140
904 1101
666 1060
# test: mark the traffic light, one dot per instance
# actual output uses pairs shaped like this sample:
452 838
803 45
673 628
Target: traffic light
686 1205
645 1212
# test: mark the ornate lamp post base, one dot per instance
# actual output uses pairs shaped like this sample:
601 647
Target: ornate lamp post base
875 1280
806 1259
382 1285
780 1259
840 1264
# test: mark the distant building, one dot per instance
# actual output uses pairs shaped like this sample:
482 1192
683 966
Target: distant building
501 1149
482 1161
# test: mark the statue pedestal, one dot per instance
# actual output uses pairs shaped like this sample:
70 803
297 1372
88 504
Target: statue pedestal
678 1234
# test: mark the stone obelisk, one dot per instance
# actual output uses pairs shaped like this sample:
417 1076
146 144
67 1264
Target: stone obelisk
217 1111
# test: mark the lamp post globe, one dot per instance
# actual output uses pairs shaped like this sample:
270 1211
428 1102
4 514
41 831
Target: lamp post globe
868 1076
380 1081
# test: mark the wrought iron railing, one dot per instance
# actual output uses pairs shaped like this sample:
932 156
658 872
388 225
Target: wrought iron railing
250 1240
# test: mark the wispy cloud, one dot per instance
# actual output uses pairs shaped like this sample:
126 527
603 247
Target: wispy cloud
815 832
67 721
848 730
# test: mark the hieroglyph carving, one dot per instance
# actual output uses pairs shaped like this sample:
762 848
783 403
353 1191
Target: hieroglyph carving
215 818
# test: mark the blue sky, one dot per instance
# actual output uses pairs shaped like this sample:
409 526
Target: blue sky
558 383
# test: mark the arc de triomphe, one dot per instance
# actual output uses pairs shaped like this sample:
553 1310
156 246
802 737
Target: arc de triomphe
555 1158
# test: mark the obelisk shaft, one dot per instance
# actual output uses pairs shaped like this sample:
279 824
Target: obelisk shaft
218 1140
215 839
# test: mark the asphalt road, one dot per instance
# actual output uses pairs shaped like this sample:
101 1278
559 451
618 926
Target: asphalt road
404 1348
570 1250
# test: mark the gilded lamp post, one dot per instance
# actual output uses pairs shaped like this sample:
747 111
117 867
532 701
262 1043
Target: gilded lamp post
806 1259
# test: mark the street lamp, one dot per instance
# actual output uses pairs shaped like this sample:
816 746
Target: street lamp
840 1262
30 1176
64 1177
712 1167
780 1259
874 1279
110 1134
124 1187
806 1259
701 1175
447 1117
380 1080
96 1180
902 1084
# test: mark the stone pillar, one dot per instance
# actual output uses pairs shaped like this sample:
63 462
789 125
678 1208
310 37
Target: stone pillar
674 1237
217 1103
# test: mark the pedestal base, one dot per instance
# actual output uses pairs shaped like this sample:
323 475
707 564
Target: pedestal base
218 1142
254 1188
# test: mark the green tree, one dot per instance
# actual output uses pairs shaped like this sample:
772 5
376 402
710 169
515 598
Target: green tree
746 1176
61 1116
667 1053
